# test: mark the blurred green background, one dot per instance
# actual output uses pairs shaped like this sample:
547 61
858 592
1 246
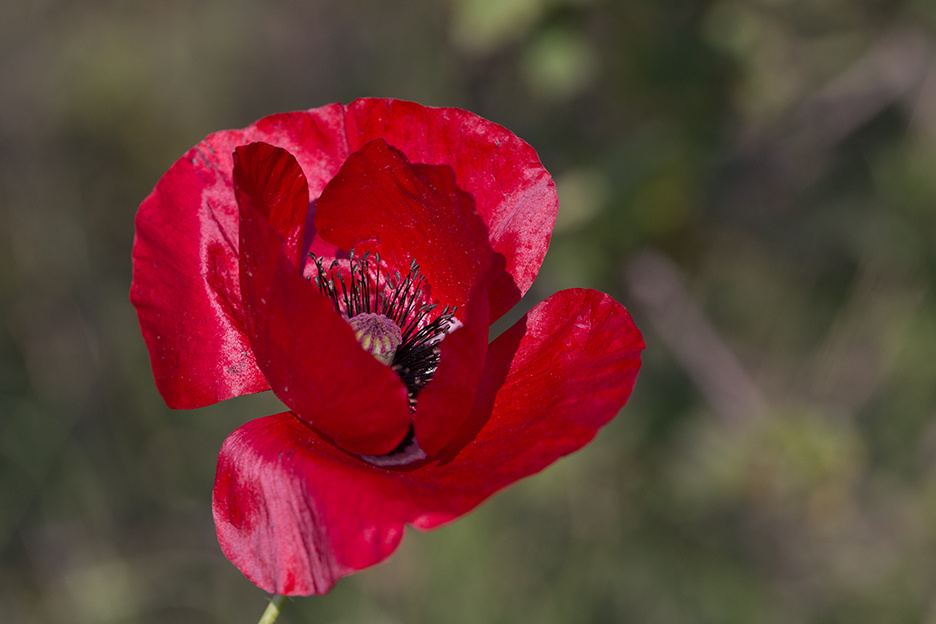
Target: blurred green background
754 179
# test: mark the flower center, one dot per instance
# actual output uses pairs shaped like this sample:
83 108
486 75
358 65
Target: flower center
391 314
378 335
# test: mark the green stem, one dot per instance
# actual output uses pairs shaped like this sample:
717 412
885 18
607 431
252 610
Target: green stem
272 611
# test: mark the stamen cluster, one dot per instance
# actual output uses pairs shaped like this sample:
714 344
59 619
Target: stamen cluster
401 299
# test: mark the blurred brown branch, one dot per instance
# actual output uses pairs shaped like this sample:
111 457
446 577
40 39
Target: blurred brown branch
656 283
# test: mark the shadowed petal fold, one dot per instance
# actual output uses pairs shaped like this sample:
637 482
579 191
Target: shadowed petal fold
271 179
446 401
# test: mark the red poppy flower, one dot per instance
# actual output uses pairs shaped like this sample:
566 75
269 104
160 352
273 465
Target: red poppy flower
352 259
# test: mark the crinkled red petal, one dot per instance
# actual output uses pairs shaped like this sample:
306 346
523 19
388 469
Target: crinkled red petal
550 382
294 513
307 352
272 507
379 202
186 287
513 193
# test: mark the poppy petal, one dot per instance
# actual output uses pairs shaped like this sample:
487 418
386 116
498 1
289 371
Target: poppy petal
549 384
294 513
513 193
185 286
379 202
306 351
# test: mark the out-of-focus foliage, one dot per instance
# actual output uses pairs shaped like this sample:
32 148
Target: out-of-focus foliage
754 179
